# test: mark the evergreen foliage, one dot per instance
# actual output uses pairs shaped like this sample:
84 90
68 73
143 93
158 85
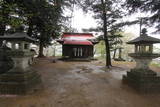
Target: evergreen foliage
152 6
107 13
42 19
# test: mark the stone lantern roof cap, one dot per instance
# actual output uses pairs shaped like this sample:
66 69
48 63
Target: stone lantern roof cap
144 38
19 36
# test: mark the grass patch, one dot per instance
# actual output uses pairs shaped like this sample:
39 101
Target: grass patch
155 64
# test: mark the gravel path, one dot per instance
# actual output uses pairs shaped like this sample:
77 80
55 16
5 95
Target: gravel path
81 84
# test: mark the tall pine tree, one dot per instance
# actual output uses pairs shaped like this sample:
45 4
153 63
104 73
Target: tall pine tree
107 12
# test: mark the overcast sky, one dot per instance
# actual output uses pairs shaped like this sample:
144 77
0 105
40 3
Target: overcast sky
81 20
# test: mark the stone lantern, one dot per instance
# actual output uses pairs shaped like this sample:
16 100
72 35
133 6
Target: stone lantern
142 78
21 78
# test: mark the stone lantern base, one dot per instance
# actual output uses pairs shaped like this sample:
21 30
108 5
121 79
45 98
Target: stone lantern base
19 82
144 81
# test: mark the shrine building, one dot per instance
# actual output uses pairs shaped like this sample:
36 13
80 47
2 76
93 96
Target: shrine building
77 45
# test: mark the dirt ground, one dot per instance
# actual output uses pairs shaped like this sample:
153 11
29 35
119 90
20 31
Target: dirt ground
82 84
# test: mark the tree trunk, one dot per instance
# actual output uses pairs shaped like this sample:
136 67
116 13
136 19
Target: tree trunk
108 56
2 31
120 53
3 22
41 46
54 51
2 28
114 55
30 29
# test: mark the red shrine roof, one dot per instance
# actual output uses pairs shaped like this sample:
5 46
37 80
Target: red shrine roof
77 35
76 39
77 43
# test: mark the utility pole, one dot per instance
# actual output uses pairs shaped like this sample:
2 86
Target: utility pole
141 19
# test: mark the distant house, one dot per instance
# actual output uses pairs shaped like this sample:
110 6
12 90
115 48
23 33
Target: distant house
77 45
